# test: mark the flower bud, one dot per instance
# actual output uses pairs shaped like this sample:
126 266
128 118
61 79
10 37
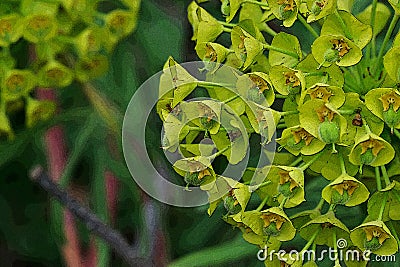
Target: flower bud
329 132
231 204
331 55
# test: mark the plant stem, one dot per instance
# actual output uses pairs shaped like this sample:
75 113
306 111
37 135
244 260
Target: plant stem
291 112
378 179
385 176
335 248
316 73
397 133
225 29
373 16
220 152
106 109
253 188
230 99
385 41
264 27
343 25
280 50
311 241
342 166
394 233
296 162
282 204
212 84
380 216
223 23
307 26
262 204
92 222
281 126
281 96
308 164
320 204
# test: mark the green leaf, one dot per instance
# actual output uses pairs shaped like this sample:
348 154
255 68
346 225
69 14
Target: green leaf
334 75
375 204
382 17
286 42
392 65
361 33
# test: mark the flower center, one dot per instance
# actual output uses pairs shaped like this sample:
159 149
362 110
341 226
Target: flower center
341 46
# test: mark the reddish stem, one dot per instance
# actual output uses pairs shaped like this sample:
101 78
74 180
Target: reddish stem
57 158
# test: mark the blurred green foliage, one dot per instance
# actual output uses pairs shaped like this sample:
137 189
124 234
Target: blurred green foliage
27 233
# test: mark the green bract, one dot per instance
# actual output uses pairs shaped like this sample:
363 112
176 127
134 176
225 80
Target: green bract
327 224
372 150
345 190
329 49
332 104
374 236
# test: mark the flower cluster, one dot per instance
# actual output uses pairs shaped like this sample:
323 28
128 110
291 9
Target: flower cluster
333 108
66 40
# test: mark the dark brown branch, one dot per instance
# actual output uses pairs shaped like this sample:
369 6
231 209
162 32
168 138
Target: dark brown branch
115 240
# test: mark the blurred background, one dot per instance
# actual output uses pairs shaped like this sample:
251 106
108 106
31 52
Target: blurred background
34 229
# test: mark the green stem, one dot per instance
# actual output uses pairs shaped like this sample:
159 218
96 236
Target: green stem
281 126
332 207
79 146
397 133
346 111
394 232
386 40
255 2
280 50
373 16
320 204
212 84
378 179
283 202
281 96
291 112
311 241
296 162
308 164
307 26
225 29
261 206
385 176
335 247
220 152
366 126
264 27
380 216
316 73
343 25
226 24
255 187
230 99
342 166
